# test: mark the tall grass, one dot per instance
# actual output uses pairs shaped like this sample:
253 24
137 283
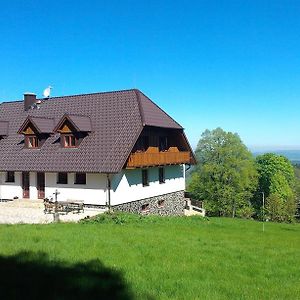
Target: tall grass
175 257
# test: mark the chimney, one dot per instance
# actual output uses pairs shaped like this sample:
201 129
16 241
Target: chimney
29 100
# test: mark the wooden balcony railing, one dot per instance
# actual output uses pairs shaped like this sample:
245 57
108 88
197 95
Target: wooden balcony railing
146 159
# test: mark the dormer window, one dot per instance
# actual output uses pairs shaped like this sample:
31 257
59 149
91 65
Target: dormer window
36 130
31 141
73 129
69 141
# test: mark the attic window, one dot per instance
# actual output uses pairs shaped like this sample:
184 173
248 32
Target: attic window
36 130
69 141
31 141
73 129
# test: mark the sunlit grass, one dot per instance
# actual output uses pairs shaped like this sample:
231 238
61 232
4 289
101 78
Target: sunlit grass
176 258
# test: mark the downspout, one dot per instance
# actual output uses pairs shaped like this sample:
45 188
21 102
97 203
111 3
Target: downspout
185 170
189 166
108 192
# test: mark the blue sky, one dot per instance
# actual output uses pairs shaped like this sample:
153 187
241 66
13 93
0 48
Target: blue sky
233 64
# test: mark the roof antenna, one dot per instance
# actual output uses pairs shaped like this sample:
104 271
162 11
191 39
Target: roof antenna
47 92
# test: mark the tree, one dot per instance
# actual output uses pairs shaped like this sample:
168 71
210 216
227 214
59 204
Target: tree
225 176
297 188
270 164
277 181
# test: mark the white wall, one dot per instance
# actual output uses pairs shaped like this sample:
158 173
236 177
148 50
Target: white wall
9 190
33 192
93 192
127 186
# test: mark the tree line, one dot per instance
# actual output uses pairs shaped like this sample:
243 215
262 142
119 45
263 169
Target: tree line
232 182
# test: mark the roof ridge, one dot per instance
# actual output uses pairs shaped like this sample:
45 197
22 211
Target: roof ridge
86 94
75 95
39 117
137 93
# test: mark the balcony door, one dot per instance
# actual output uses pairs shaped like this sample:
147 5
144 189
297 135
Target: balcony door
25 184
40 183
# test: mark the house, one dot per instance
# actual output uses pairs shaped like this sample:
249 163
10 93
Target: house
115 149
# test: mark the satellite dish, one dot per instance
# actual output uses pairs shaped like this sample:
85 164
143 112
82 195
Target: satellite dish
47 91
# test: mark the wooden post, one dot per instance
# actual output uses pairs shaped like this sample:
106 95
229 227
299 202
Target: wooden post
56 216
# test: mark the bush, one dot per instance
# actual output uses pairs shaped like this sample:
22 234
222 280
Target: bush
122 218
245 212
280 210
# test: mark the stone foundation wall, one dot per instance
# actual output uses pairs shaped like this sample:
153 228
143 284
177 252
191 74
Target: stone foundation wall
173 204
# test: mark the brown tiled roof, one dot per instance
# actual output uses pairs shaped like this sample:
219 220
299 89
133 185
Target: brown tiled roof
3 128
116 120
152 115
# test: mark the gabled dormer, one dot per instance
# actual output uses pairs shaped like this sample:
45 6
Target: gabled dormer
3 129
36 130
73 129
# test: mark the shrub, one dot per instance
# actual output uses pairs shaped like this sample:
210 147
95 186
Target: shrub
245 212
121 218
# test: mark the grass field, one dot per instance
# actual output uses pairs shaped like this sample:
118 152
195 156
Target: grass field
151 258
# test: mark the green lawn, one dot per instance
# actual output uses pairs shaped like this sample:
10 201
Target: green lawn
152 258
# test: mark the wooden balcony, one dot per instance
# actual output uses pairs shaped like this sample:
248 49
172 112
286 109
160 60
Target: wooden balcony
152 157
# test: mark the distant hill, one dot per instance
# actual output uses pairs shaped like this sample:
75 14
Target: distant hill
292 155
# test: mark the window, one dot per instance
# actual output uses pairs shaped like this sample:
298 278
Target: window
145 179
69 141
62 178
80 178
145 143
145 207
142 143
32 141
163 143
161 175
10 176
161 203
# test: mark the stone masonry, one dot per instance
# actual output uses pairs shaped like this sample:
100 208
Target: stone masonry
168 204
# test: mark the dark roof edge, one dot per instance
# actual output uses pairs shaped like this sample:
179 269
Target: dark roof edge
194 160
160 109
30 119
25 123
131 148
165 127
137 93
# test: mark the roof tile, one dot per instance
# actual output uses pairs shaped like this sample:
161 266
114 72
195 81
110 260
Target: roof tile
116 120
